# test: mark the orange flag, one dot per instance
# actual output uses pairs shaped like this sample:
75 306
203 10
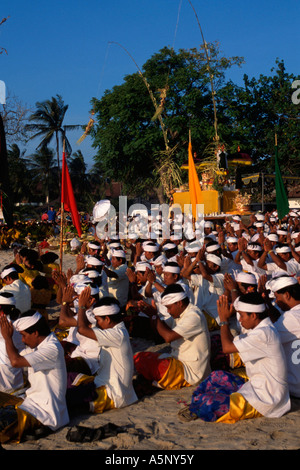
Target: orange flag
67 196
194 185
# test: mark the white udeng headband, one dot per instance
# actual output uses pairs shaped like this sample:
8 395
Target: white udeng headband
282 282
106 310
214 259
212 248
25 322
173 298
283 249
246 278
7 271
93 246
171 269
245 307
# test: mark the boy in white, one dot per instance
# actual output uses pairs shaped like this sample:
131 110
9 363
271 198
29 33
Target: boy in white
186 331
117 280
287 294
45 399
114 378
11 378
18 288
262 353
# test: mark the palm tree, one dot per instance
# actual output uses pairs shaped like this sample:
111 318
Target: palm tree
49 117
44 169
20 179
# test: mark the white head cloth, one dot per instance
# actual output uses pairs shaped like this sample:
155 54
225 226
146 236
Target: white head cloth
7 271
25 322
214 259
93 246
142 266
252 247
232 240
160 260
104 310
282 282
247 307
212 248
76 278
246 278
80 287
7 300
172 269
193 247
118 253
273 237
283 249
169 246
93 261
170 299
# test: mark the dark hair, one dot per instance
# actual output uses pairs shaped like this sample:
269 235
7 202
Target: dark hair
49 257
293 290
254 298
41 326
40 282
7 309
118 317
174 289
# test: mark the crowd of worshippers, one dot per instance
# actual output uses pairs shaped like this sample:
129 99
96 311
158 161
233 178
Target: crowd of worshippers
226 303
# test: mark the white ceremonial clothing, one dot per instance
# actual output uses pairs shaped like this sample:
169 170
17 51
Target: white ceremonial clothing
193 348
292 267
11 378
288 327
207 293
47 375
263 355
116 364
21 293
118 287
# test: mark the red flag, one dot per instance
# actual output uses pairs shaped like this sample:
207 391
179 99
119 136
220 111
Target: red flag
67 196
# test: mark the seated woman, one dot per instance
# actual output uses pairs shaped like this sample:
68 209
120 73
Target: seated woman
226 397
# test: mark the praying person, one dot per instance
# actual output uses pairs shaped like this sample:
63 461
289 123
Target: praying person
113 381
226 397
43 408
186 331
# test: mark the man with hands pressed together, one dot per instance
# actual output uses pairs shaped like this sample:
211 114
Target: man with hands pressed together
113 380
265 392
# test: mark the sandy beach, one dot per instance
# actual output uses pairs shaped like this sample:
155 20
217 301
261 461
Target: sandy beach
153 424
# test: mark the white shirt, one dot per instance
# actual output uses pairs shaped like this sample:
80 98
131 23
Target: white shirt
262 353
118 287
11 378
207 293
116 364
46 397
292 267
193 349
22 294
288 327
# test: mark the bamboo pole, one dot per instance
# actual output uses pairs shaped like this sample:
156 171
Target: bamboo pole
61 222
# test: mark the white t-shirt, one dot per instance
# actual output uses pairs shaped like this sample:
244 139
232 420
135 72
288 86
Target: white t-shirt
116 364
46 397
288 327
193 349
22 294
118 287
262 353
11 378
207 293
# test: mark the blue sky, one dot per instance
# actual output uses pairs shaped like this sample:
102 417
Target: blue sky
62 46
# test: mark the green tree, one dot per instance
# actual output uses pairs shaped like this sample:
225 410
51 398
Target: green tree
47 124
20 179
44 172
253 113
129 135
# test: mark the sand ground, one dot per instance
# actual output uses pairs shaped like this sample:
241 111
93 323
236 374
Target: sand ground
152 424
